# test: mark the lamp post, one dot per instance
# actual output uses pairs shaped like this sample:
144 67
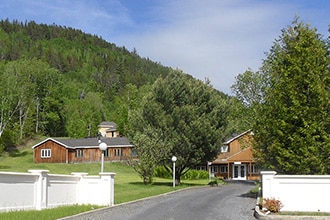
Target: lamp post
173 160
103 147
209 165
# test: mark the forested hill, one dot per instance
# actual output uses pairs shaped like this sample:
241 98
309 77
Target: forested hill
70 51
59 81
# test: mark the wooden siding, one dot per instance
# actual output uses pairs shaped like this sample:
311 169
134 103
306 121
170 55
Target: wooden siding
243 156
58 153
240 151
236 146
61 154
94 155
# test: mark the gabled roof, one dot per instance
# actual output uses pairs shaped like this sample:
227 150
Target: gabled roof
236 137
48 139
108 124
112 126
89 142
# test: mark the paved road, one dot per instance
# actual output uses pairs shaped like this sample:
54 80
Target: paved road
231 201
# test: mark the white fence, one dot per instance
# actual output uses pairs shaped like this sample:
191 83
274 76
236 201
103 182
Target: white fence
39 190
310 193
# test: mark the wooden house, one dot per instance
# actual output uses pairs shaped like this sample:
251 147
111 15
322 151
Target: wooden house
60 150
53 150
235 161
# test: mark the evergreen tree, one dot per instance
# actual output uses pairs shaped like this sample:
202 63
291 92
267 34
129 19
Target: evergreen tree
188 117
292 129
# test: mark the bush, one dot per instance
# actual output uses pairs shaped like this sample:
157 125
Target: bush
162 172
195 175
272 205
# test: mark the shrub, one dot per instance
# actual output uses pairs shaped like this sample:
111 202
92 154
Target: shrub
162 172
272 205
195 175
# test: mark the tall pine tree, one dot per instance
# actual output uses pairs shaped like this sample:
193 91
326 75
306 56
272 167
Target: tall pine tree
293 126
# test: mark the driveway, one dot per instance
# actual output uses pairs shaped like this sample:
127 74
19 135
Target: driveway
231 201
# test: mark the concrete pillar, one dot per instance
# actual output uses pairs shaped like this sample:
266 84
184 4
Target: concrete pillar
41 188
267 178
109 180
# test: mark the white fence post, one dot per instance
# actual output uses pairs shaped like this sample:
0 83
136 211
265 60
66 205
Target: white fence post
267 179
40 193
109 182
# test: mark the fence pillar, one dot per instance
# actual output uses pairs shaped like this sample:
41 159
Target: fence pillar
267 178
109 179
41 188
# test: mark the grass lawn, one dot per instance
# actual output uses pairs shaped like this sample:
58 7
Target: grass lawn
128 185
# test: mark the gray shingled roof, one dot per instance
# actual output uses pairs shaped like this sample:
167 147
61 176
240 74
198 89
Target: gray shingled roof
112 126
109 124
234 137
93 142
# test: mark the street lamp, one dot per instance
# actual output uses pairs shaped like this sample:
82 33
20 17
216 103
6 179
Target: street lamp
173 160
103 147
209 164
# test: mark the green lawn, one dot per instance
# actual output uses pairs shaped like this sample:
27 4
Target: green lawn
128 185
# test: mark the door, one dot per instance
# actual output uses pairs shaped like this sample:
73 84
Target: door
239 172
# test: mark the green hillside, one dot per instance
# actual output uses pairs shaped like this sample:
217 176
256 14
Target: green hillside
59 81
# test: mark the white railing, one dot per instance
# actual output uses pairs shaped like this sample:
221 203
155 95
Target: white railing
39 190
306 193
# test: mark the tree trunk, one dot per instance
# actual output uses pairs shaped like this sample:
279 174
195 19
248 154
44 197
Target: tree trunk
178 177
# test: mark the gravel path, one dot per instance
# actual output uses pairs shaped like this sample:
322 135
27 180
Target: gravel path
231 201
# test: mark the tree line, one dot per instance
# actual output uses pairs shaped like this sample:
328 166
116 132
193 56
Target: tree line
58 81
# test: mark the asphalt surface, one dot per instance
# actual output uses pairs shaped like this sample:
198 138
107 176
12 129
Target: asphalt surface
231 201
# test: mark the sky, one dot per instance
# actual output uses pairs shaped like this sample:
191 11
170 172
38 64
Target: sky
213 39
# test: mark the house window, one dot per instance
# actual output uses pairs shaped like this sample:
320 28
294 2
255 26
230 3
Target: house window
106 153
223 169
118 152
224 149
200 167
46 153
214 169
79 153
254 169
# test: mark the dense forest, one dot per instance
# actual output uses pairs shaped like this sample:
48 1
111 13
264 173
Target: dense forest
61 82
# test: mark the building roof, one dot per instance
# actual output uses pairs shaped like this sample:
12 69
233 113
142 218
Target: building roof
108 124
89 142
231 139
112 126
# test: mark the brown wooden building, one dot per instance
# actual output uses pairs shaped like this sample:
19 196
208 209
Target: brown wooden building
235 160
53 150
